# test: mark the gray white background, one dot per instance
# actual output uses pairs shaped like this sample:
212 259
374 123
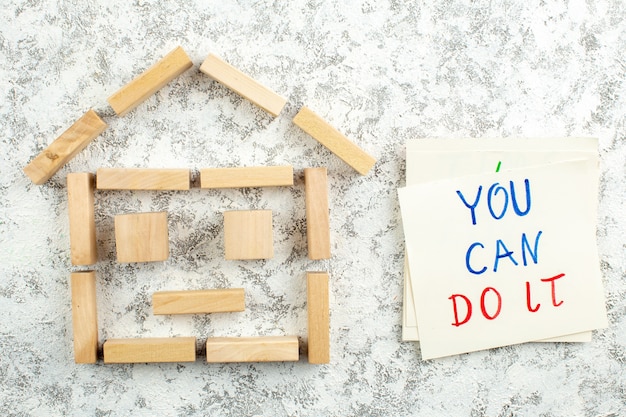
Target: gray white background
382 72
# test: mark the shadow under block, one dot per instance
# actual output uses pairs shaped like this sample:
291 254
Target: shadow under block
240 177
317 217
252 349
65 147
318 317
84 316
150 81
336 142
143 179
248 234
198 301
80 201
243 85
148 350
142 237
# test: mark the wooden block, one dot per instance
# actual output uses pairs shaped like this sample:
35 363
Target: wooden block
248 234
252 349
246 177
84 316
142 237
243 85
80 200
143 179
150 81
317 218
199 301
318 317
336 142
144 350
65 147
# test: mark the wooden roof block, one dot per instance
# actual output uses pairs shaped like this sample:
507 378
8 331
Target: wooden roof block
142 237
252 349
143 179
146 350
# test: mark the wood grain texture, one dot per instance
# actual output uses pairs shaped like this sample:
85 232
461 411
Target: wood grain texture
248 234
318 317
336 142
243 85
317 216
239 177
143 179
142 237
148 350
150 81
198 301
84 316
65 147
80 201
252 349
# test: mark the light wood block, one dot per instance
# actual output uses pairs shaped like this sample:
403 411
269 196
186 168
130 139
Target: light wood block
80 200
143 179
146 350
65 147
248 234
317 217
336 142
252 349
239 177
150 81
198 301
318 317
243 85
142 237
84 316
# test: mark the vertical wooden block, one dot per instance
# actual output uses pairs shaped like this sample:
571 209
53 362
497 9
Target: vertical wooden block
252 349
142 237
248 234
80 199
84 316
65 147
150 81
240 177
318 317
143 179
199 301
243 85
148 350
317 218
336 142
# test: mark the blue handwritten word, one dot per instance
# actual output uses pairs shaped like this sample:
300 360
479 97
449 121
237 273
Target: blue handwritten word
498 200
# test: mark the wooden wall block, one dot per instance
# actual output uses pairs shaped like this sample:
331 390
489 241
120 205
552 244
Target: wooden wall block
336 142
252 349
84 316
80 199
150 81
143 179
146 350
240 177
318 317
317 217
243 85
65 147
198 301
248 234
142 237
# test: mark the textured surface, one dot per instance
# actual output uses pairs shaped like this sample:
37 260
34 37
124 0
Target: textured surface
381 72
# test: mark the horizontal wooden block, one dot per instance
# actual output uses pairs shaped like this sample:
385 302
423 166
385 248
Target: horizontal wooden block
198 301
143 179
147 350
150 81
84 316
248 234
243 85
318 317
317 217
252 349
336 142
240 177
142 237
65 147
80 199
